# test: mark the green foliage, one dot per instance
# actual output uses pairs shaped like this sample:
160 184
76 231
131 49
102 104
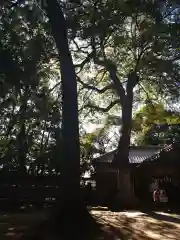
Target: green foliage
154 124
29 111
139 35
135 35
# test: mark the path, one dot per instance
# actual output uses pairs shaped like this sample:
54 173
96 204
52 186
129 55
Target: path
139 225
116 225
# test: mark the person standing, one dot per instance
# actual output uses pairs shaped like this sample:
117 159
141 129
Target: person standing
156 197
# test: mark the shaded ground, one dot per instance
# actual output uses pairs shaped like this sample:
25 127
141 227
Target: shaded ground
13 226
115 225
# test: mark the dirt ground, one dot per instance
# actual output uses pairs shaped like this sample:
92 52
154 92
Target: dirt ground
139 225
127 225
13 226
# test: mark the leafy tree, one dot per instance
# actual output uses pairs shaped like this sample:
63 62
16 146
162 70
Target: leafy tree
154 124
28 111
126 42
70 126
133 46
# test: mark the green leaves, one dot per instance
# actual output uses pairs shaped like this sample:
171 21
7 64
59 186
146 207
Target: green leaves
29 110
149 116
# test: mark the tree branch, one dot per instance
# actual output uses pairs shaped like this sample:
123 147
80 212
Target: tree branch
101 109
55 86
111 68
119 87
133 79
147 95
11 5
83 63
145 47
90 87
80 49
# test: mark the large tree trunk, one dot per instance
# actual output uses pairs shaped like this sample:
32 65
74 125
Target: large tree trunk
121 158
70 168
122 155
72 217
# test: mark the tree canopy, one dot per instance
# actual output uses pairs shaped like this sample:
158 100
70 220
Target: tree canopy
154 124
66 63
131 49
133 54
125 53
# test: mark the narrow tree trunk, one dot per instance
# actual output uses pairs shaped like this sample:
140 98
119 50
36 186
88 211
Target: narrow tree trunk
70 168
22 137
42 139
22 149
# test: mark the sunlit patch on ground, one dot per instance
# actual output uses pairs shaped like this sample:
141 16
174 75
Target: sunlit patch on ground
139 225
127 225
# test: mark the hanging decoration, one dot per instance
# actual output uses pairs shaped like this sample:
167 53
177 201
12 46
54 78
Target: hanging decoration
162 179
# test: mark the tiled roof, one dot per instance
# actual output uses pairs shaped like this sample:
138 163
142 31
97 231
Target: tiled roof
137 154
165 149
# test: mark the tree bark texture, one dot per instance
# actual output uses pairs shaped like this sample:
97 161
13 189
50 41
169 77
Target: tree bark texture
70 167
122 155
